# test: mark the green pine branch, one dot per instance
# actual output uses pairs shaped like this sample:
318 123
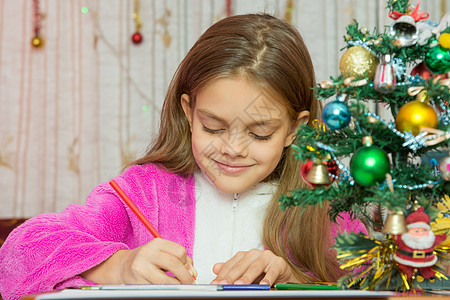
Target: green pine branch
384 43
438 94
398 5
344 196
411 179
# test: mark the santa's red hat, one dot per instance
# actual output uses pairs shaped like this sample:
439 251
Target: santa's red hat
418 219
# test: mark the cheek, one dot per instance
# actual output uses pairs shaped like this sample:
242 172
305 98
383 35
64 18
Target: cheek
202 144
269 151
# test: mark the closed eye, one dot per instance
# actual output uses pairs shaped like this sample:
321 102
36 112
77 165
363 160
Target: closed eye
261 137
255 136
210 130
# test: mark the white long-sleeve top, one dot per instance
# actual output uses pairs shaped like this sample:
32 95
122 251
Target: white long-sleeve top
226 223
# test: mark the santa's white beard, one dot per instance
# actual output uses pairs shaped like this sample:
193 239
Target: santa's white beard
419 242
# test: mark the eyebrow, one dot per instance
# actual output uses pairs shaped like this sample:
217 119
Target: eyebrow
268 122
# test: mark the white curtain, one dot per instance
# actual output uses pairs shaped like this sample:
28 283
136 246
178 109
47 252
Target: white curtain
75 111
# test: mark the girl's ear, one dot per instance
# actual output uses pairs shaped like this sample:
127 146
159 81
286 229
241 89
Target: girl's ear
186 104
303 118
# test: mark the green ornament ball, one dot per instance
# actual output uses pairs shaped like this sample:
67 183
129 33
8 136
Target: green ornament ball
437 60
369 165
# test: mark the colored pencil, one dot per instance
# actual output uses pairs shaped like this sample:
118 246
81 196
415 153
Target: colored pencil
289 286
134 209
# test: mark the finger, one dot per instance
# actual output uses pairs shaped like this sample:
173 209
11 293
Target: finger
269 278
225 268
157 276
252 272
179 252
144 270
170 263
236 267
172 248
217 267
191 271
266 269
190 267
275 272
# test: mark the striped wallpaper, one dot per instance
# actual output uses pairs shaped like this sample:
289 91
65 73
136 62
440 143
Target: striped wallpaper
75 111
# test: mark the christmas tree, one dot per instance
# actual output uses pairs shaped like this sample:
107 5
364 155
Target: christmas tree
391 173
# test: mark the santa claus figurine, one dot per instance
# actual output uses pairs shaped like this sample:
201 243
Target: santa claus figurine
415 248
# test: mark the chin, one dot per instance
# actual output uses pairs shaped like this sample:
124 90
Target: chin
229 187
232 182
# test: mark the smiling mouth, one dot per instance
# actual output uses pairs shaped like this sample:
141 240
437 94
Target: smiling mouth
231 169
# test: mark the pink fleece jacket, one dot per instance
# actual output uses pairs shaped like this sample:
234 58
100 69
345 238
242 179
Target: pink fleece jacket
49 251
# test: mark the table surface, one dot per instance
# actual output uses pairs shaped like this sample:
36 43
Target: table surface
204 295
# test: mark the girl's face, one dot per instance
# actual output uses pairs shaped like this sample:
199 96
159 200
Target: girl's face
238 132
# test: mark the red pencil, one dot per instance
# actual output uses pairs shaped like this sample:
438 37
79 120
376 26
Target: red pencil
136 211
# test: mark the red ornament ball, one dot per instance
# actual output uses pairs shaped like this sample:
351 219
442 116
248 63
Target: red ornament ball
422 70
137 38
332 166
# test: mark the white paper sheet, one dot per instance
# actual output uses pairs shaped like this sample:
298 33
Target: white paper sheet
166 294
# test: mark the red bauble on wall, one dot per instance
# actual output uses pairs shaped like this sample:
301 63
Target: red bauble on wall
137 38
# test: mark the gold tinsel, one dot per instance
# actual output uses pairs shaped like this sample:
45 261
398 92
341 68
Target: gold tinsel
378 263
442 224
289 9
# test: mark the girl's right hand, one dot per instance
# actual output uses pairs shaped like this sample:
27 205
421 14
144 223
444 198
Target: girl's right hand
146 264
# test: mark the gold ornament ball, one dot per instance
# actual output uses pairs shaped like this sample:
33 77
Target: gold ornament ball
415 114
358 62
37 42
444 40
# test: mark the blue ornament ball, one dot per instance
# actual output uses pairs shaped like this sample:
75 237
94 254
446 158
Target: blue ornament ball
336 115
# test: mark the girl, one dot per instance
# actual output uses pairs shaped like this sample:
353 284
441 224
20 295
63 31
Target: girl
209 183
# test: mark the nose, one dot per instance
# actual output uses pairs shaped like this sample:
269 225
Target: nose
235 143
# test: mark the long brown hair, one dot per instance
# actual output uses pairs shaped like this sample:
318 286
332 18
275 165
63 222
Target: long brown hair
270 53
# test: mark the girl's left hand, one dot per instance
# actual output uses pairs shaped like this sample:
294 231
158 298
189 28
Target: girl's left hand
247 267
